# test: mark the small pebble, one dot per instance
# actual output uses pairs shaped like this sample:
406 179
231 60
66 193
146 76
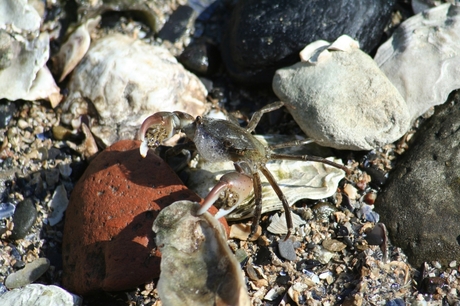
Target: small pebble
396 302
307 264
263 256
31 272
376 236
429 284
283 280
286 249
323 210
333 245
24 218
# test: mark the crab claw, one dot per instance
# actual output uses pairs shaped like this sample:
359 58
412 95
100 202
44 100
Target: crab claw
234 187
160 127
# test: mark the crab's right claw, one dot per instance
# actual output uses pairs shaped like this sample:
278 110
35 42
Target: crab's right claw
234 187
155 129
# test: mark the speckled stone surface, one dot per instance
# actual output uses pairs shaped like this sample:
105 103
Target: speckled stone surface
108 240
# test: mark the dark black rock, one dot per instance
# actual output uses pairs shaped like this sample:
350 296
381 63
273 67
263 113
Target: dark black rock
283 280
24 218
263 256
430 284
375 236
7 109
307 264
265 35
178 24
419 205
201 58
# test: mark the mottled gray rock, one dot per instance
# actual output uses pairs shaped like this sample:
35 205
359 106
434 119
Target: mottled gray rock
39 295
121 81
30 273
422 58
420 204
340 98
23 219
264 35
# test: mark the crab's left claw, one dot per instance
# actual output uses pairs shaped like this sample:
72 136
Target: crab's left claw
160 127
234 187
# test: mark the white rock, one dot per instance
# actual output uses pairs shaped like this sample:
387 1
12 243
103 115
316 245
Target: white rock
39 295
340 98
127 80
422 58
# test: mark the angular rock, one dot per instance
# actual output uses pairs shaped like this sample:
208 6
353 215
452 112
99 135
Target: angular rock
30 273
422 58
419 205
340 98
134 80
108 242
265 35
39 295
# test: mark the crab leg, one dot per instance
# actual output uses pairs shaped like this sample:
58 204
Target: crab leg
234 186
280 194
258 202
257 115
294 143
309 158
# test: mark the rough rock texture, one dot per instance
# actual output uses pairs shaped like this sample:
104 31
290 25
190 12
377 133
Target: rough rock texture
121 81
420 205
341 99
108 241
422 58
264 35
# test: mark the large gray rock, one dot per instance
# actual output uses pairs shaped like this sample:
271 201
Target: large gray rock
340 98
420 204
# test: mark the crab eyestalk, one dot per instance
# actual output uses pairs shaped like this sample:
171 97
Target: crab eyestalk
160 127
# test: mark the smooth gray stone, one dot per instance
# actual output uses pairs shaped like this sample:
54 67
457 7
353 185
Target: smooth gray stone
420 205
39 295
23 219
30 273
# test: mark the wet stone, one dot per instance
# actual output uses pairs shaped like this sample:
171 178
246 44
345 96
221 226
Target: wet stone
24 218
264 35
31 272
201 57
375 236
286 249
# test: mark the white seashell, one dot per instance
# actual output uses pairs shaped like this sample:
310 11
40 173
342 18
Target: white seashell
278 223
318 51
422 58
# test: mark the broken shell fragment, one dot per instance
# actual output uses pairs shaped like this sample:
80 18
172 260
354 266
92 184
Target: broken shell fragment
74 49
422 58
197 266
340 98
278 223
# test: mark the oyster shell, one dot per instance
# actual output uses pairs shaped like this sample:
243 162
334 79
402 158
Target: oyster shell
197 266
297 179
422 58
122 80
24 53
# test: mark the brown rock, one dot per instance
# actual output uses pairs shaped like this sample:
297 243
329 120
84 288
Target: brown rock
108 241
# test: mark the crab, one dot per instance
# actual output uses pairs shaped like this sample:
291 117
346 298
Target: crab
223 140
